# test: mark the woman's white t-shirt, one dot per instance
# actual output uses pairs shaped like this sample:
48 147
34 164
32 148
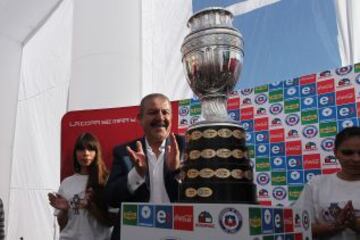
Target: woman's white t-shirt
81 224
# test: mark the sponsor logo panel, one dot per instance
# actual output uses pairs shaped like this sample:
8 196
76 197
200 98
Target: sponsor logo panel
345 123
294 192
291 82
205 220
308 90
311 173
292 119
278 220
276 85
261 89
234 114
266 220
184 218
294 162
346 111
262 137
292 105
309 117
262 150
279 193
255 221
233 103
312 161
230 220
295 177
163 217
247 113
262 178
291 92
247 125
261 99
343 70
261 124
310 131
277 149
327 114
278 163
345 96
309 102
278 178
146 215
130 215
307 79
195 109
326 100
277 135
326 86
328 129
288 220
262 164
276 96
293 148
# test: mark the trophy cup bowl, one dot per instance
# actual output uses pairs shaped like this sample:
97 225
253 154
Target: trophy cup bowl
216 167
212 53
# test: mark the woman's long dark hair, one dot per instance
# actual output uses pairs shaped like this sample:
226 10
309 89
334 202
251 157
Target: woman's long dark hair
98 174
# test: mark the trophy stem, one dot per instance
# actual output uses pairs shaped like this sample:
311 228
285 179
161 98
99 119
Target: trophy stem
214 108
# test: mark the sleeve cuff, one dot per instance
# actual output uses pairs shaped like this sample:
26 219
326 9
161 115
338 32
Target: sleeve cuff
134 180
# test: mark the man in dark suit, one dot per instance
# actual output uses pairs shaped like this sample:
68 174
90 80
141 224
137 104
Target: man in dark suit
145 170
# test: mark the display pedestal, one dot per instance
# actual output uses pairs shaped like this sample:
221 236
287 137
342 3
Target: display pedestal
180 221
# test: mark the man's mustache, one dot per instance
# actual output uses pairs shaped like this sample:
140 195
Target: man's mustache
160 123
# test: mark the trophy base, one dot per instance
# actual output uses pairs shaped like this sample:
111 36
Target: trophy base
218 192
216 167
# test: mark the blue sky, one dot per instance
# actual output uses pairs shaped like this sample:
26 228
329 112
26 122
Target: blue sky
288 39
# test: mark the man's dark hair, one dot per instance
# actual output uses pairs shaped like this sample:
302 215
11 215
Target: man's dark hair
148 97
345 134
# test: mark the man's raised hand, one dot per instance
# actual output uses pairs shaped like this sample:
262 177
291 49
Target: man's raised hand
138 158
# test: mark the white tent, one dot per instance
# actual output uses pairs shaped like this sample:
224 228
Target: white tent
57 56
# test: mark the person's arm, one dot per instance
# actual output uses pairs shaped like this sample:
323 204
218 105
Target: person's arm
351 220
355 226
2 221
326 230
62 218
174 157
117 187
344 219
61 204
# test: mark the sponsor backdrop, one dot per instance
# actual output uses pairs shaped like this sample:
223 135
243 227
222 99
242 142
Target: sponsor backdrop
112 126
213 221
290 127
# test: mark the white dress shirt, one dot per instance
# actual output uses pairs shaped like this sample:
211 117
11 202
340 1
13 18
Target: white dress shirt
157 189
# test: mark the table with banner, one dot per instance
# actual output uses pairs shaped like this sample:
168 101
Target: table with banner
213 221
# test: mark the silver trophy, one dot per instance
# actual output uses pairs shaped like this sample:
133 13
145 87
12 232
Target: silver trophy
212 58
216 167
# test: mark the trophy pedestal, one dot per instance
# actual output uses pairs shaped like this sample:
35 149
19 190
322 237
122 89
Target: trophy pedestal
216 168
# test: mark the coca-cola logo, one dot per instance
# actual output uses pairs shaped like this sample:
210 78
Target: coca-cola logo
184 218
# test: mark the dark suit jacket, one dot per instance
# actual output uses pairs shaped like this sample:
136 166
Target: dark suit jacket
116 190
